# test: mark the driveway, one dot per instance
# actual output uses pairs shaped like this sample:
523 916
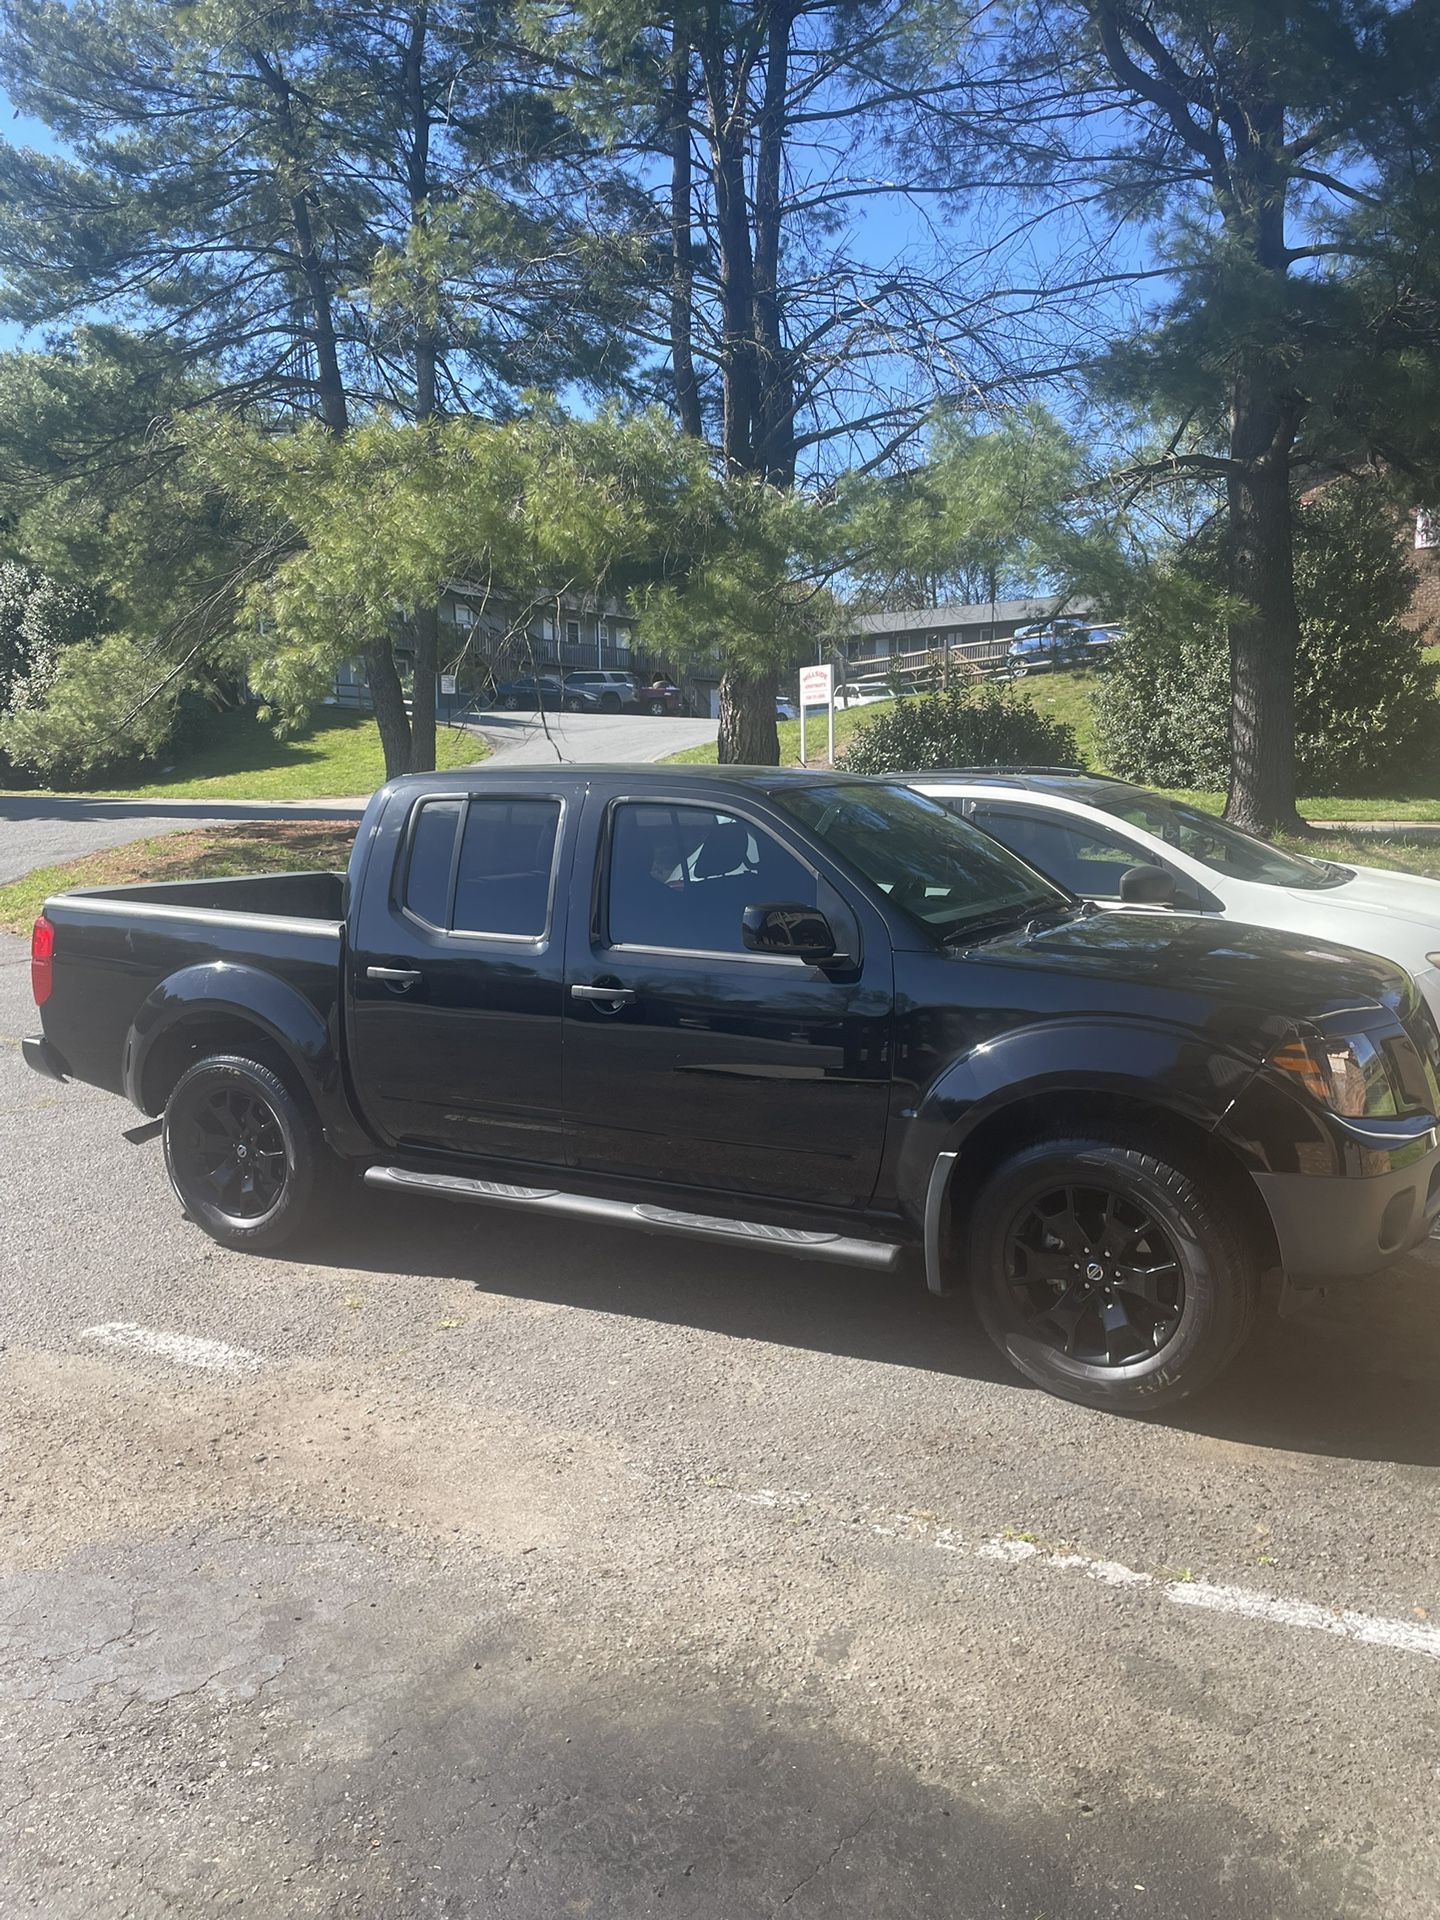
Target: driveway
42 831
533 739
478 1565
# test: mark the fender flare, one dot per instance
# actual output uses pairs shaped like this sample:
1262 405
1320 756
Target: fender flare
1166 1068
217 990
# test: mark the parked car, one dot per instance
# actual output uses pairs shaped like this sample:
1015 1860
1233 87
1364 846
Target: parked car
530 693
1062 644
785 708
1121 845
800 1012
610 690
659 696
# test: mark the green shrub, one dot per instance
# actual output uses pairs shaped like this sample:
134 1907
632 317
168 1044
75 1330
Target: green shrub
101 710
981 727
1366 714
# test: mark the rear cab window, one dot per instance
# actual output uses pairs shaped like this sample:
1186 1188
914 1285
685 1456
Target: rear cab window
484 867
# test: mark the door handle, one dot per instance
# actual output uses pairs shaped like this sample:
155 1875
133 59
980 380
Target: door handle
402 977
615 996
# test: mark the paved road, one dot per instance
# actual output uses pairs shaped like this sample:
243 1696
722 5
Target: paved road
482 1567
44 831
533 739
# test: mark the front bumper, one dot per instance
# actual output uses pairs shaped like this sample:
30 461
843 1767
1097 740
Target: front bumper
42 1057
1339 1226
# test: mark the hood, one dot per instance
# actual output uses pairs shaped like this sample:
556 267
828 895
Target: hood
1406 897
1270 969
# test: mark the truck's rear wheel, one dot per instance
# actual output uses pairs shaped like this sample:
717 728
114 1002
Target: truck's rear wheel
245 1155
1112 1276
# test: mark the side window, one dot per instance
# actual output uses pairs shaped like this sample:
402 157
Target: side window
500 883
432 854
681 877
1085 859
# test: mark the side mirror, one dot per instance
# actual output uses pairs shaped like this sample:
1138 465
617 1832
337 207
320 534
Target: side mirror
1147 887
799 933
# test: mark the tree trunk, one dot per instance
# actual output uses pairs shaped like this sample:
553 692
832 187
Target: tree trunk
748 737
682 271
1264 630
425 629
388 698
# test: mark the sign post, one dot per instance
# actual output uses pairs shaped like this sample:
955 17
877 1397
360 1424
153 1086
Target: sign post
817 689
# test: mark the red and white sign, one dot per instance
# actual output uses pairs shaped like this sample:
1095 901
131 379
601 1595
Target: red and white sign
817 686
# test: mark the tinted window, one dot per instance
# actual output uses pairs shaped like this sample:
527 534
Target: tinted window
682 877
432 849
502 884
935 868
1087 860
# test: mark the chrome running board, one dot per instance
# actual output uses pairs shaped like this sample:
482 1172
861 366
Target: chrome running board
877 1254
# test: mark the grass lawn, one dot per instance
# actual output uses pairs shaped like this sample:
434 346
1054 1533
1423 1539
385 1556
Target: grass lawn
336 757
1070 697
208 853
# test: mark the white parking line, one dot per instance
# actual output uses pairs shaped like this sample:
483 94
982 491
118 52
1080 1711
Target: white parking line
184 1349
1246 1603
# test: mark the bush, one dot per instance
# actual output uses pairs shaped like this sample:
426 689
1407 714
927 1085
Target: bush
1366 715
971 727
99 712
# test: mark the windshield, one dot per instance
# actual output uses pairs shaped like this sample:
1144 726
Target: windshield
947 875
1219 846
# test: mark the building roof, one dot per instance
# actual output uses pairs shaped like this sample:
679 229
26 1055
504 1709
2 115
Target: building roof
984 614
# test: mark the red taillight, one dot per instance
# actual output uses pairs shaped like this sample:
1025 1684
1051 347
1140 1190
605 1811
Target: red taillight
42 960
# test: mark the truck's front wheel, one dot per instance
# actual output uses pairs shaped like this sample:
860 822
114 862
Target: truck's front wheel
245 1155
1116 1277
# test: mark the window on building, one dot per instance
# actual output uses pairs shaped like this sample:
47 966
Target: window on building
572 633
547 629
602 632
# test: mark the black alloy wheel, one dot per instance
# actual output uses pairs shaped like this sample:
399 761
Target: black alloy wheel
245 1153
229 1147
1111 1273
1095 1275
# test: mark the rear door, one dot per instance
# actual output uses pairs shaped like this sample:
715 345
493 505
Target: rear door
714 1067
457 976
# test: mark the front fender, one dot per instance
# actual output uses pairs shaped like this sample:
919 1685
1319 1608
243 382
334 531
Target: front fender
1145 1064
217 990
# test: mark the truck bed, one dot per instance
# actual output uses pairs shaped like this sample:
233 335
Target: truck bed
114 946
289 896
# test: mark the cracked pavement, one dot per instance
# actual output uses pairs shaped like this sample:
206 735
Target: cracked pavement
542 1571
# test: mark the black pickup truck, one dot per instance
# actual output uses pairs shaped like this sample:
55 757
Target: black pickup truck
797 1011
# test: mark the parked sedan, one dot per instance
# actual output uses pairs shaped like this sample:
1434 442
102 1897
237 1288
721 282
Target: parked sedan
1123 846
534 692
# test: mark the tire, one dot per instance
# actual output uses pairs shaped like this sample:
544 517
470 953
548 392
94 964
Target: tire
509 702
225 1102
1174 1303
655 707
609 703
574 706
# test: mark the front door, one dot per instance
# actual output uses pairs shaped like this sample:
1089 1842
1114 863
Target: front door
712 1066
457 977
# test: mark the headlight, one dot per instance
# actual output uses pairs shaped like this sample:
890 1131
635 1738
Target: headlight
1351 1076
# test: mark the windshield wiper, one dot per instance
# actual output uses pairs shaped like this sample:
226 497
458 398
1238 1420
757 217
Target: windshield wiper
971 933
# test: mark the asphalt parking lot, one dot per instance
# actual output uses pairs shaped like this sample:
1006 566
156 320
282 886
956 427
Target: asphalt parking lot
475 1566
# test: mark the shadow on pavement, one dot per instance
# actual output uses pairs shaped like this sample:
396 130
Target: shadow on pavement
807 1304
20 807
1354 1373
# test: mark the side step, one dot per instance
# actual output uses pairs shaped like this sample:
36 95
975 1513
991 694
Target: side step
879 1255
